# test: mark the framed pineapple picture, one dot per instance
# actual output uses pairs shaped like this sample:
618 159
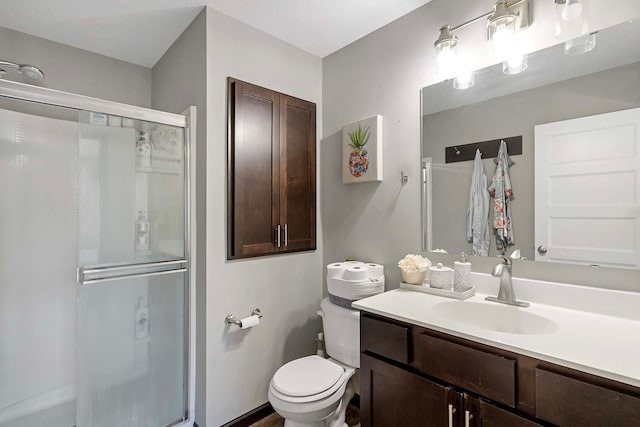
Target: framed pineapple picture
362 151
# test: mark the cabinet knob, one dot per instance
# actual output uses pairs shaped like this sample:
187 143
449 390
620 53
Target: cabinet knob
542 250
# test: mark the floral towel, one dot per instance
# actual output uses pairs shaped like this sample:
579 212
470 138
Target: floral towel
502 193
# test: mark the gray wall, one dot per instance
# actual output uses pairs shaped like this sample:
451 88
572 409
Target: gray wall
75 70
287 288
179 80
520 113
383 73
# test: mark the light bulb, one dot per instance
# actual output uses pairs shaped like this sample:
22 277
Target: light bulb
514 65
515 62
503 42
571 11
446 61
465 76
464 80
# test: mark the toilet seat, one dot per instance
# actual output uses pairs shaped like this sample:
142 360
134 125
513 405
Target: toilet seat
308 379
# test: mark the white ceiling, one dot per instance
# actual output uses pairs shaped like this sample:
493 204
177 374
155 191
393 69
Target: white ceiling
140 31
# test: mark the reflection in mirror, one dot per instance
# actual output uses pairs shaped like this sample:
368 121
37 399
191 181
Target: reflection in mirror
576 185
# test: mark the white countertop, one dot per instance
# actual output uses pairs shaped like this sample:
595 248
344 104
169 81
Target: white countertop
595 330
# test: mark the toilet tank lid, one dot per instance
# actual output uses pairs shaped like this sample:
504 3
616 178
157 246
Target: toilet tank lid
307 376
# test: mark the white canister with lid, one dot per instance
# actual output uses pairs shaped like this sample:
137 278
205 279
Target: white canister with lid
440 277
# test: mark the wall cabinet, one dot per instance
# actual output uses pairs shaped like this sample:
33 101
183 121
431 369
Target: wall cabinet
414 376
271 172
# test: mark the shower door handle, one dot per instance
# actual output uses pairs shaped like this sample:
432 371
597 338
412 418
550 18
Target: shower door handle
91 275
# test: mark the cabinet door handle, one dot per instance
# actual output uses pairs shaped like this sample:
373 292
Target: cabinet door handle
286 235
468 416
452 411
278 235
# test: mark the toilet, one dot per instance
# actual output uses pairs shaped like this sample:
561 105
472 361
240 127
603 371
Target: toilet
315 392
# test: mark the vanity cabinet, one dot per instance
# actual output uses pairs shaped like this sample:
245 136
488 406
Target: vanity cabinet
414 376
271 172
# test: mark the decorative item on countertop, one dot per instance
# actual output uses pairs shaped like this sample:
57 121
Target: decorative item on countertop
351 281
461 272
414 269
440 277
461 293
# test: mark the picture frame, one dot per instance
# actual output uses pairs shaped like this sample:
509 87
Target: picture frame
362 151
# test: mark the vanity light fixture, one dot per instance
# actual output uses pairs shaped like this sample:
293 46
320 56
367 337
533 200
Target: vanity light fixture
501 28
502 23
572 25
446 60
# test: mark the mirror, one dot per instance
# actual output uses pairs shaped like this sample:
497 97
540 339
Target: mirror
579 122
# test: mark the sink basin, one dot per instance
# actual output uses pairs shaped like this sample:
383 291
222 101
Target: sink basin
494 317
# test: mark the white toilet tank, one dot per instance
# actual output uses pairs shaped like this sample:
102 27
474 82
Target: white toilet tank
341 333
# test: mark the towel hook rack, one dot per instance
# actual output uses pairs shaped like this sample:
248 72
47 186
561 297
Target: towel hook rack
488 149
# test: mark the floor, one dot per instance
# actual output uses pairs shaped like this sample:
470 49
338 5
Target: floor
275 420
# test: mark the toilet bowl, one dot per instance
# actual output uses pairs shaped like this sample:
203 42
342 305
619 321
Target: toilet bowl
315 392
312 391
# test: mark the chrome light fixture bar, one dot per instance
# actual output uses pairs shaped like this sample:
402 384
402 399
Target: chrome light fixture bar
502 23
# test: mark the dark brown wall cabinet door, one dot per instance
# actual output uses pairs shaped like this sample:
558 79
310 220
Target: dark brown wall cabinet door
272 172
297 173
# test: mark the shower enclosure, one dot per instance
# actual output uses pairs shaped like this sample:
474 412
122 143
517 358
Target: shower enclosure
96 317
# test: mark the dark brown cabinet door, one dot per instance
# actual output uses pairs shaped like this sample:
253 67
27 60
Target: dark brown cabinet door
567 401
272 172
297 173
393 397
479 413
254 157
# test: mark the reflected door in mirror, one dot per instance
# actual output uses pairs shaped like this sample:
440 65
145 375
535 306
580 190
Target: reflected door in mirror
588 190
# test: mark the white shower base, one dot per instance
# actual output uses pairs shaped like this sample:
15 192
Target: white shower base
63 415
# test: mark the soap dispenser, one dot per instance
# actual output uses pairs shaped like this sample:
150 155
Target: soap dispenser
461 273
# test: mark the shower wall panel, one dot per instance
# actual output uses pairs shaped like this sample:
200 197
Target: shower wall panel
38 181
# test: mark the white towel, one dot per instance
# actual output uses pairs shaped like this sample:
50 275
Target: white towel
478 210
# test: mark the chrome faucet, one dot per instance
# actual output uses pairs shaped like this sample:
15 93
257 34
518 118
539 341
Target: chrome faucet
506 295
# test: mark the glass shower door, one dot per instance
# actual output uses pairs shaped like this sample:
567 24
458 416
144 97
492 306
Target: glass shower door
131 364
131 359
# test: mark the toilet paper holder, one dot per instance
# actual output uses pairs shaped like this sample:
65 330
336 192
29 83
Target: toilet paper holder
233 320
